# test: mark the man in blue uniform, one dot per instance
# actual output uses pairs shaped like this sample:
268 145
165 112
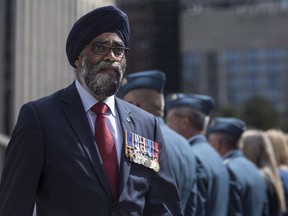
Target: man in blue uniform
145 90
188 115
247 186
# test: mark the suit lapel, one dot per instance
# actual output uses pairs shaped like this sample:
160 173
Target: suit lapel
75 114
127 123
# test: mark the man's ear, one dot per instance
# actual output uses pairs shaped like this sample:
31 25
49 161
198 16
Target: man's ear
77 63
185 123
220 145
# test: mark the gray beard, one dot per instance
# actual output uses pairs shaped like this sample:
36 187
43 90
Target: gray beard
101 84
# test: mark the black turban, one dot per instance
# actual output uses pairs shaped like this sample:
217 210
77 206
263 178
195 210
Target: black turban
94 23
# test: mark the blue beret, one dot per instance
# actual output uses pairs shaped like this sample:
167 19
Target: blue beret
150 79
228 125
202 103
94 23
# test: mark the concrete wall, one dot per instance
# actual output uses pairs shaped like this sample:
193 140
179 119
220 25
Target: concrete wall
2 63
41 65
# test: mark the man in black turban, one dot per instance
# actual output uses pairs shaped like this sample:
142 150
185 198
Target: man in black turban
97 33
82 151
93 24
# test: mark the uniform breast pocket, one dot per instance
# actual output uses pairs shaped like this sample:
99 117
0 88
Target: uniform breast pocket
138 179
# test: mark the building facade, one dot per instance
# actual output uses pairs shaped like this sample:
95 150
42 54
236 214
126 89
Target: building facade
233 54
154 38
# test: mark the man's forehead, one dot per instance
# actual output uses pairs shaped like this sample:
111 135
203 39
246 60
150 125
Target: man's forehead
108 37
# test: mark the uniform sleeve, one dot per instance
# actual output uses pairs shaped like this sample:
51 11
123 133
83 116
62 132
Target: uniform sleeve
202 189
23 165
235 200
162 198
190 209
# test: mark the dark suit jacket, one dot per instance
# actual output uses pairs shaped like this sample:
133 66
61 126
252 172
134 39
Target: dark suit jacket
52 159
212 179
247 186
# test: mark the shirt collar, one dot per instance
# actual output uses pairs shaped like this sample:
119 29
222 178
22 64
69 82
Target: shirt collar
194 137
231 153
88 100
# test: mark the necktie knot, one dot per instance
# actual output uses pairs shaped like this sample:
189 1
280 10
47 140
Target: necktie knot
100 108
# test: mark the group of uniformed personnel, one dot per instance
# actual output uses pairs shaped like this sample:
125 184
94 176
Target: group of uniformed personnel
213 176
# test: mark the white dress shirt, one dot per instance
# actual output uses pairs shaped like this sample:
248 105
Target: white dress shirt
112 118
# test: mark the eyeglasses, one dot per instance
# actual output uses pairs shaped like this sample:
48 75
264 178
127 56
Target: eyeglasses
103 50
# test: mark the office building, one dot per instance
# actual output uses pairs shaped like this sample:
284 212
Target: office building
233 54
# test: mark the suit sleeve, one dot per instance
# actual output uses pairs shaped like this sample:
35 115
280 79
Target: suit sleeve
23 165
163 197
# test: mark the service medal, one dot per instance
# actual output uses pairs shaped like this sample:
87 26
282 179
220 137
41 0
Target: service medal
141 150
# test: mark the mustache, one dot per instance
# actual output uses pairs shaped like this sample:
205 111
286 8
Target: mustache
105 65
102 84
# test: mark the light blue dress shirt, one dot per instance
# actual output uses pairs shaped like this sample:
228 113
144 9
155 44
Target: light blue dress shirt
111 116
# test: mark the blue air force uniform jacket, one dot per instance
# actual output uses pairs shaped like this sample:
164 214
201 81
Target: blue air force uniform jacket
212 179
183 164
247 186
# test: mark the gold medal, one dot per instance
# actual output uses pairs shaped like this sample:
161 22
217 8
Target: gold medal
155 165
146 162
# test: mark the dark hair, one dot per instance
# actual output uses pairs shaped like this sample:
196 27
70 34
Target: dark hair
196 118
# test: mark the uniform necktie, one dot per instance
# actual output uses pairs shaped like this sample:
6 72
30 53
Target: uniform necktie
105 142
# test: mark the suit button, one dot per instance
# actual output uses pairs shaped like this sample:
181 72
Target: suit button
115 206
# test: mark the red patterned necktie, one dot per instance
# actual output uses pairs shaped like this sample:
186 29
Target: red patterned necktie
105 142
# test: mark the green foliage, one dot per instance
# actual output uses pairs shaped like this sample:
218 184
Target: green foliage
259 112
228 111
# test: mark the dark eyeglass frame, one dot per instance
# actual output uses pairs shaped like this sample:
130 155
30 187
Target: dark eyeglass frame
116 49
